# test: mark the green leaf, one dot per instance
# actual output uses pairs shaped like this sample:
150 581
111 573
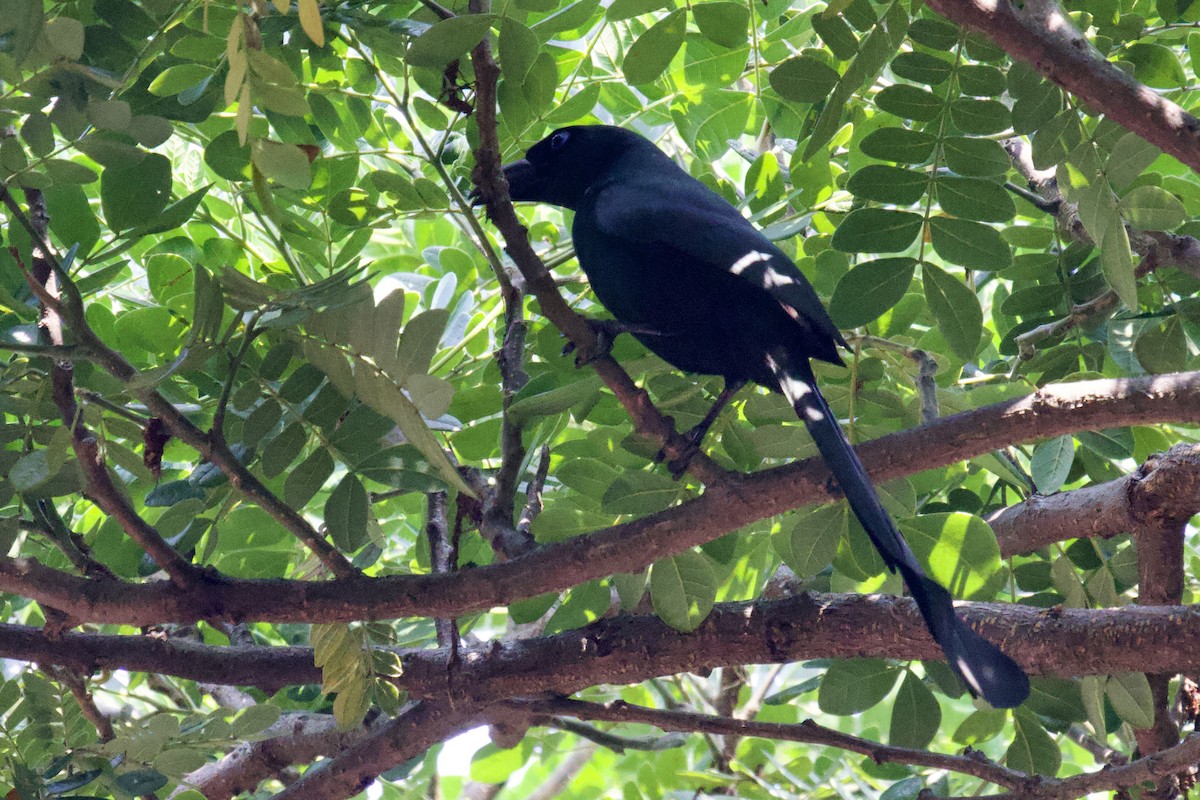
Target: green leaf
1162 348
916 715
877 230
900 145
811 544
982 80
1032 750
282 450
552 393
1117 262
1155 65
179 78
803 79
518 49
852 686
909 102
723 22
286 164
975 198
936 34
969 156
651 53
708 126
346 514
869 290
980 726
1056 699
683 589
418 343
1152 208
1051 463
131 195
887 184
969 244
982 117
956 309
1033 300
448 39
1131 698
641 493
492 764
958 550
38 133
922 68
835 32
31 471
65 37
141 782
1129 158
62 171
1092 689
306 479
627 9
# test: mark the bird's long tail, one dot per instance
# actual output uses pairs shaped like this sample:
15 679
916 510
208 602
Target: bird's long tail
981 666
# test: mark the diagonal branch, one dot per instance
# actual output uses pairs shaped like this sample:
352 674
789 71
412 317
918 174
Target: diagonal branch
628 547
807 732
407 736
1050 44
493 189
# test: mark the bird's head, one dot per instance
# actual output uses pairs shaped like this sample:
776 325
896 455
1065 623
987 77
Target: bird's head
562 167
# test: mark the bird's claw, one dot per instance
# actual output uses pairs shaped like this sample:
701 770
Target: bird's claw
678 465
605 331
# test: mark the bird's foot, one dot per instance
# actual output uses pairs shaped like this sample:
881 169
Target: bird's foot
678 465
605 331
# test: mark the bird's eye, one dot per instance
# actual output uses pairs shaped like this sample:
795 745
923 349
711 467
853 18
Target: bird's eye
558 140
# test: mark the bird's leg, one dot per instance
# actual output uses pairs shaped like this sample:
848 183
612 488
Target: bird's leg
606 331
696 435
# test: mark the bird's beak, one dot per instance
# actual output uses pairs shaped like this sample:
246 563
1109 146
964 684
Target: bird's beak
523 179
523 183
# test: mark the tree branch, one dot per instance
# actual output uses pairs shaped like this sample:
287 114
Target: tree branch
633 648
407 736
1166 489
807 732
628 547
1051 45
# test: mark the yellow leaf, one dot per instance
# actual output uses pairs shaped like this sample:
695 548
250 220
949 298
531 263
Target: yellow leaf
243 115
281 6
310 20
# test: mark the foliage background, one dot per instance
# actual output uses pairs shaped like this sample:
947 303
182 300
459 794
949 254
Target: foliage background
254 203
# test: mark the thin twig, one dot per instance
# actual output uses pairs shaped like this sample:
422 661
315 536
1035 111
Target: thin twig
807 732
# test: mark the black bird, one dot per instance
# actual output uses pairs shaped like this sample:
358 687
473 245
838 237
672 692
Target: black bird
696 283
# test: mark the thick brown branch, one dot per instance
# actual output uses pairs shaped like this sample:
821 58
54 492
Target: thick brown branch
407 736
628 547
1165 490
294 739
1051 44
630 649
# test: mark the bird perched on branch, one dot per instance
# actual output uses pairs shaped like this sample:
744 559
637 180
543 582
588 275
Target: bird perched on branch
688 276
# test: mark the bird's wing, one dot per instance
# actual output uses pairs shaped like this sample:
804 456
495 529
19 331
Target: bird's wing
688 217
